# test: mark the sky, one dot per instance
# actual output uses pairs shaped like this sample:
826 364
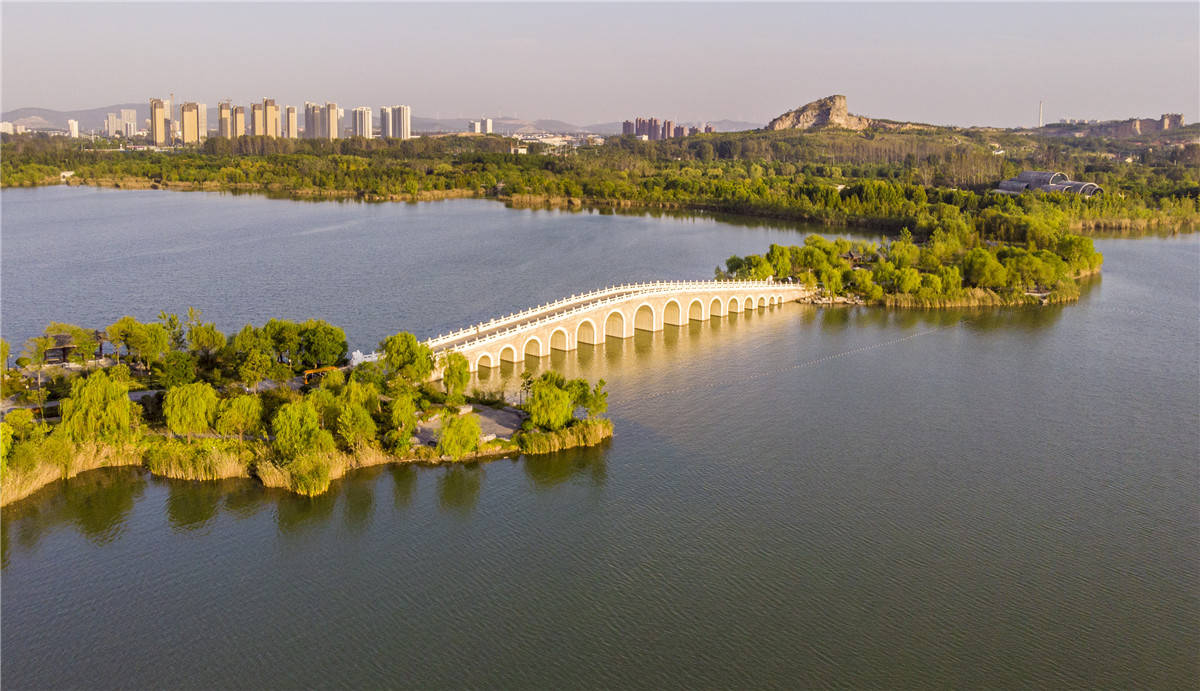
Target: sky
941 63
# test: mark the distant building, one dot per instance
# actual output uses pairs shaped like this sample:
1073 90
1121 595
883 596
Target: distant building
202 117
73 129
239 121
129 122
1046 181
475 127
627 127
314 116
332 121
654 129
160 122
6 128
487 125
271 122
387 124
112 126
362 122
708 129
403 121
225 119
290 128
680 131
258 120
189 122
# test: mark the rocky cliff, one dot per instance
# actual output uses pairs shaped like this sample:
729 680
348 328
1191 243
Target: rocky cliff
827 112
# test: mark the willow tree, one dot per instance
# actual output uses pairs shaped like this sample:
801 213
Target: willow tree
190 409
459 435
456 372
407 356
99 409
240 415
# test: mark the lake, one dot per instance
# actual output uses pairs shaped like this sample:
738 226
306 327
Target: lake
795 497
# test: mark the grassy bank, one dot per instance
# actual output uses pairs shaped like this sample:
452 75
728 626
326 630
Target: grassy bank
581 433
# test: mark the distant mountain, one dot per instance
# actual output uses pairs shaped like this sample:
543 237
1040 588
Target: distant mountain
831 112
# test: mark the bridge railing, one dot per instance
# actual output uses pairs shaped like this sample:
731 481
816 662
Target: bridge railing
589 298
660 286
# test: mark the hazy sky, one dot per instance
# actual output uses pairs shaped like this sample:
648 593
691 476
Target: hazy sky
962 64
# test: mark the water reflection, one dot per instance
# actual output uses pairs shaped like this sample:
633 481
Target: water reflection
191 505
550 470
97 503
458 488
359 489
404 484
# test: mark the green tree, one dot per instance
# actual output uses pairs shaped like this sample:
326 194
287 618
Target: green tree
549 406
908 280
459 435
175 333
36 351
456 372
981 268
355 426
255 367
3 354
297 431
179 368
98 409
240 415
831 281
407 356
190 409
321 343
403 415
205 339
84 340
597 400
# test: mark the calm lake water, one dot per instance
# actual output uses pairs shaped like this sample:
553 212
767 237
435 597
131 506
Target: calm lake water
797 497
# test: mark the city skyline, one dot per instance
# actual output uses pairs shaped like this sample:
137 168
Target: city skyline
976 64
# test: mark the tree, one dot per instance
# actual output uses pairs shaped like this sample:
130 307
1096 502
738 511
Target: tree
549 406
981 268
179 368
255 367
285 339
240 415
321 343
831 281
908 280
456 372
98 409
355 426
597 400
35 351
459 435
205 339
297 431
3 354
190 409
404 354
174 327
403 415
84 340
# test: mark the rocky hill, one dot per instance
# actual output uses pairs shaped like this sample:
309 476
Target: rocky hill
831 112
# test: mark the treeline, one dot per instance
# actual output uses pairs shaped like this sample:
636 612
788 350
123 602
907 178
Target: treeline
948 270
233 406
888 180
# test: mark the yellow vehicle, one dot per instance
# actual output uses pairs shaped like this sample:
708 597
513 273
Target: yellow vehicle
311 374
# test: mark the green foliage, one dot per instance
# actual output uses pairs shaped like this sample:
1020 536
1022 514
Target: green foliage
355 426
190 409
297 431
407 356
581 433
549 406
456 372
98 409
403 417
458 435
321 344
240 415
596 402
179 368
256 366
982 269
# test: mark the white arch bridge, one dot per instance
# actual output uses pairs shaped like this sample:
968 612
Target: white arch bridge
614 312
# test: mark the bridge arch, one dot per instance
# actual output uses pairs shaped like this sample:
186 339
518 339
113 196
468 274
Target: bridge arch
696 311
614 325
585 332
762 302
508 354
484 360
560 340
734 305
771 301
643 318
717 308
672 313
533 346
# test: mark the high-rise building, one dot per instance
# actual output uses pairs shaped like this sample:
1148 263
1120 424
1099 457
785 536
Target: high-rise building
475 127
314 116
708 129
680 131
668 129
73 129
239 121
225 119
290 129
129 122
627 127
189 123
487 125
271 123
403 124
362 122
387 122
333 121
258 120
654 129
160 122
112 126
202 111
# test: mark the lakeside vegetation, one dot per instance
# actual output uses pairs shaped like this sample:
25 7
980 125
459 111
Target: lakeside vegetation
949 270
249 405
921 180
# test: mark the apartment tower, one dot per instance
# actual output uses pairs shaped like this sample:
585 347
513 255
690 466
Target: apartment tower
160 120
